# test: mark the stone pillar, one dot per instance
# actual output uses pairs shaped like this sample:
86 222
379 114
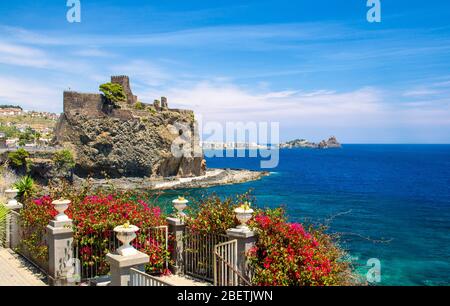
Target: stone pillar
120 266
246 239
12 224
176 230
60 239
164 104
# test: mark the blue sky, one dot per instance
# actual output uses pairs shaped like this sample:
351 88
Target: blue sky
317 67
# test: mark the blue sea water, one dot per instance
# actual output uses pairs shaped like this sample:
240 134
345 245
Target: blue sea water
396 193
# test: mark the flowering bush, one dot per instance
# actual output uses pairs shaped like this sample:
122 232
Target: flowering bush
211 214
288 255
285 254
34 220
94 217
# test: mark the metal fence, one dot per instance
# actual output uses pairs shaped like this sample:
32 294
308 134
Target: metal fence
226 271
90 250
18 234
139 278
199 253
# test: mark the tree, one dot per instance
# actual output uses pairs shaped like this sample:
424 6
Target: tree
63 160
113 92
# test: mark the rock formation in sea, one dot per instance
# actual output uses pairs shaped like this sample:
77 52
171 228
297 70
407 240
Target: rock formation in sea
127 138
329 144
303 143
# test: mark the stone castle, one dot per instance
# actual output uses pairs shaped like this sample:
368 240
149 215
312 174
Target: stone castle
131 139
96 105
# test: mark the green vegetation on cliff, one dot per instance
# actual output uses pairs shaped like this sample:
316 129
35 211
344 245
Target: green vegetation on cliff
113 92
18 159
64 160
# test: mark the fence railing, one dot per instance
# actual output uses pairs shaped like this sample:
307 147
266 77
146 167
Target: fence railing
18 237
226 265
91 249
199 253
4 224
139 278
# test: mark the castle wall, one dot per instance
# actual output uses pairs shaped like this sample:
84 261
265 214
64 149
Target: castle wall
83 103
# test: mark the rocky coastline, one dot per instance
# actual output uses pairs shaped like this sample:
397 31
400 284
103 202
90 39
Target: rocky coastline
211 178
331 143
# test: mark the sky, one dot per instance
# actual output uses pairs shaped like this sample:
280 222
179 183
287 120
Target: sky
319 68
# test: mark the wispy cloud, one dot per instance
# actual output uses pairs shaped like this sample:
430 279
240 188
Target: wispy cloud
228 72
31 94
13 54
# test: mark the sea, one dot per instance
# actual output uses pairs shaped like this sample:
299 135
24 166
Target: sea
389 204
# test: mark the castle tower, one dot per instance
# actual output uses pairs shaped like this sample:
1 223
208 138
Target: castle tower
124 81
164 104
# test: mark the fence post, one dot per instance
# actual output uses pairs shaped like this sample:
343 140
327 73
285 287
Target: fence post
176 230
120 266
60 240
246 239
12 225
126 256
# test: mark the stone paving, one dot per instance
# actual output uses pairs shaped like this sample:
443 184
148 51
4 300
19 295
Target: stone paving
16 271
176 280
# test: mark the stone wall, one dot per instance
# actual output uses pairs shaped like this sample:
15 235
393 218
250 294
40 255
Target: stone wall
83 103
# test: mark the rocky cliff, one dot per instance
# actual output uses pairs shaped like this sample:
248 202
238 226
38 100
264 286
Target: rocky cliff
129 139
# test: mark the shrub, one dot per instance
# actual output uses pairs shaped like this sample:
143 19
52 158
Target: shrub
26 187
113 92
94 217
17 159
285 254
34 220
288 255
212 215
139 105
63 160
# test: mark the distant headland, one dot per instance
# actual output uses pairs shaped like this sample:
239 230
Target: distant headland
331 143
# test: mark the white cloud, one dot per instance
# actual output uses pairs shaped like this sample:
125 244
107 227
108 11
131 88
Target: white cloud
420 92
364 108
142 71
30 94
13 54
